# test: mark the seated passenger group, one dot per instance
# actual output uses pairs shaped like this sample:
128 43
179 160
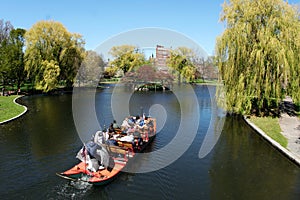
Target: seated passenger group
132 129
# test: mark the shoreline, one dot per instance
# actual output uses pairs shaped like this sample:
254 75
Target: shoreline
19 115
284 151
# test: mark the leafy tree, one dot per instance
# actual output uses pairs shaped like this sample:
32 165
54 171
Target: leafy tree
11 53
91 68
51 49
258 54
5 29
15 56
126 57
72 59
181 60
110 72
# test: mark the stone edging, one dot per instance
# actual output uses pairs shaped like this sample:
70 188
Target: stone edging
294 158
13 118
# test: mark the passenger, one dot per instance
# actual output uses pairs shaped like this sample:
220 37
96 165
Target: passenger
125 125
150 126
131 121
115 125
141 124
137 119
111 128
99 138
105 135
130 130
147 122
136 133
137 137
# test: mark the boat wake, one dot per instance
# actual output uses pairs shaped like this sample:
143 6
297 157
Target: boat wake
73 190
81 185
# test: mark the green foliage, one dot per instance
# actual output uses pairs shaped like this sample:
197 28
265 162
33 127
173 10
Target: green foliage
11 53
51 72
15 56
110 72
5 29
271 127
70 62
52 53
126 57
258 54
181 60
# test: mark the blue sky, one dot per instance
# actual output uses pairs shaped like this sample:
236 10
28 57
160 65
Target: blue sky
99 20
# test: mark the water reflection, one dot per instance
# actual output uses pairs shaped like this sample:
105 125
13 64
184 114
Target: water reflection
35 146
240 166
246 167
55 125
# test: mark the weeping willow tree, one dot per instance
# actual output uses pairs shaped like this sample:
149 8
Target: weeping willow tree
52 55
258 55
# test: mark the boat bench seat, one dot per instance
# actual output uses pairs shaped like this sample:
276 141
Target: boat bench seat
125 144
117 149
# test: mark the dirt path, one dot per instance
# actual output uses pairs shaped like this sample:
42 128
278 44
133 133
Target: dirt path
290 126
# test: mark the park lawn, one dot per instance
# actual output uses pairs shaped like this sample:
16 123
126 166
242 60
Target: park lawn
8 109
271 127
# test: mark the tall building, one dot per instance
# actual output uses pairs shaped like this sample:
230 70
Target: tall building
162 54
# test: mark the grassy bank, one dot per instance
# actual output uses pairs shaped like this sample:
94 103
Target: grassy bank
205 82
271 127
8 109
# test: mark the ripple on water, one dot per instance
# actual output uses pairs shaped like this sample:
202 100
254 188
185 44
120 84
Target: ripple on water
70 190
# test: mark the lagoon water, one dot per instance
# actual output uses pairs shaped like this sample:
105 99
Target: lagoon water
45 141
